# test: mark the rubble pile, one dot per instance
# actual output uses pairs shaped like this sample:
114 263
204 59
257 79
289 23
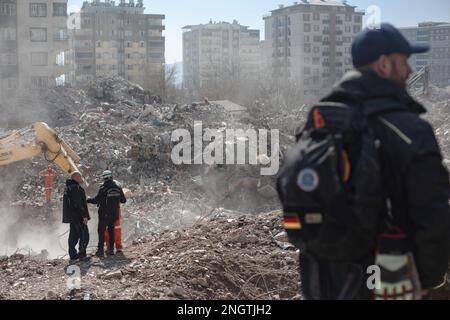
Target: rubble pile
437 102
222 257
116 124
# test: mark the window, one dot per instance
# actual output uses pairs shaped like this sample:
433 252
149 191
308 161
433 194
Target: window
8 83
306 17
356 29
7 9
84 55
38 34
7 34
316 16
39 59
38 10
8 59
39 82
59 9
307 48
142 44
60 35
307 27
316 27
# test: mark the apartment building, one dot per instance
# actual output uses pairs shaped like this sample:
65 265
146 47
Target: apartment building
309 43
33 44
437 36
109 39
218 52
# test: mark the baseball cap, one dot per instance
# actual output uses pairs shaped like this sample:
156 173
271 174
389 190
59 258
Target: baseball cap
372 43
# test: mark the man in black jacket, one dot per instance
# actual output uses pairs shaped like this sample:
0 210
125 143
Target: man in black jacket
75 212
416 181
108 200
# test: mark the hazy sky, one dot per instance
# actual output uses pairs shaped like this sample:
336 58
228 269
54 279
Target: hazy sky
180 13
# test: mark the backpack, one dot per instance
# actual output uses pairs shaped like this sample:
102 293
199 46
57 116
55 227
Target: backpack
112 202
330 185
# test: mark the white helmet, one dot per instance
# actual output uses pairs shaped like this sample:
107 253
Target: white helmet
107 174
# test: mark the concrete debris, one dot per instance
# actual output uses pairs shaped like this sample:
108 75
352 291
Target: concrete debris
223 257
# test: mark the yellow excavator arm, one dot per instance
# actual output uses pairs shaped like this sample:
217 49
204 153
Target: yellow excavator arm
37 140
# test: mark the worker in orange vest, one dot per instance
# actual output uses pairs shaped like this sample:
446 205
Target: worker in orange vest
49 176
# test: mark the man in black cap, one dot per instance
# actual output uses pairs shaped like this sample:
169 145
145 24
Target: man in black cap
414 177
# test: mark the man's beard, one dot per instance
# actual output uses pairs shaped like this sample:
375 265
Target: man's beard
397 77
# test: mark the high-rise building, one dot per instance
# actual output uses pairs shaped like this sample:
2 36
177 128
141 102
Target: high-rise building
309 43
217 52
33 44
437 36
109 39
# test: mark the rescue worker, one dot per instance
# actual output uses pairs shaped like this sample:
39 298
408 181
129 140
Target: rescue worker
108 200
76 213
117 230
416 181
49 176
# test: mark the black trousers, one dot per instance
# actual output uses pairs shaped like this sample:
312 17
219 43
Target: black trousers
104 224
78 234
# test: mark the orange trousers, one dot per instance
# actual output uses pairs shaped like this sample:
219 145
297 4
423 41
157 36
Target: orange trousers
117 233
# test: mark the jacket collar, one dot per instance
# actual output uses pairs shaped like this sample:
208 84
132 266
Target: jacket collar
356 85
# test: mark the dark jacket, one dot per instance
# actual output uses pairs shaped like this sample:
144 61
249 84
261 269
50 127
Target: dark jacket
108 200
415 178
74 203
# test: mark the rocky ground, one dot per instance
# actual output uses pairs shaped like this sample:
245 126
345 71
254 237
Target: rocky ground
222 257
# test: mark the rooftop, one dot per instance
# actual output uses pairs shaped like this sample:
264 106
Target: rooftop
428 24
214 24
308 3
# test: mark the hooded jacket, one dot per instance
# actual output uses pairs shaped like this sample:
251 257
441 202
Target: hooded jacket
74 203
416 181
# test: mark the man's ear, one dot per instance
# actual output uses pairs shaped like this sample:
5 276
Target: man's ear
384 66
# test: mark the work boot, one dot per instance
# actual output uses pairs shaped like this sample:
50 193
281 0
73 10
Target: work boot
100 254
73 261
110 252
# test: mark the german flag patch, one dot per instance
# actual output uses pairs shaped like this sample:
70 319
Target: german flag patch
292 223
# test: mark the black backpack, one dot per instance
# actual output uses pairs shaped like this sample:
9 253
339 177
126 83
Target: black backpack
330 184
112 202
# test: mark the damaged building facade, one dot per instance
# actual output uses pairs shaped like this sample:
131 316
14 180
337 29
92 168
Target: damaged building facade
309 43
109 39
214 53
33 44
437 36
